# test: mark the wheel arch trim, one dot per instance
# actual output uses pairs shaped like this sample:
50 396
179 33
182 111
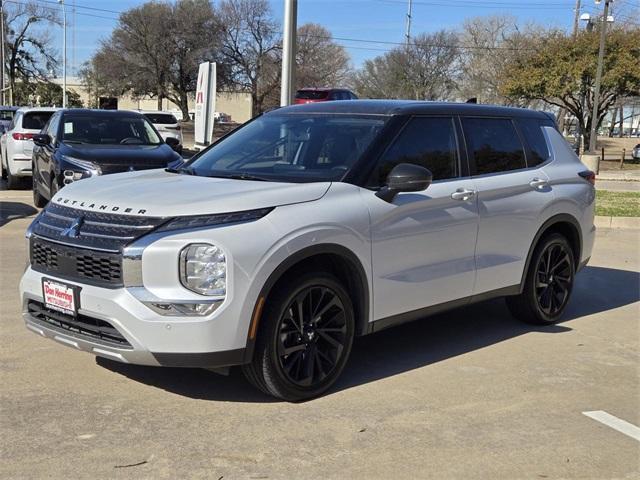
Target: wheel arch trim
291 261
549 223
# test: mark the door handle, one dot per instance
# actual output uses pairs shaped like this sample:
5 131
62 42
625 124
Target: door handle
538 183
463 194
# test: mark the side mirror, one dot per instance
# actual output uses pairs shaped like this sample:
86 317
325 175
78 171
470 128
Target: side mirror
174 143
405 177
42 139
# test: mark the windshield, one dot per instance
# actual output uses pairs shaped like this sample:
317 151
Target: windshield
161 118
35 120
290 148
109 130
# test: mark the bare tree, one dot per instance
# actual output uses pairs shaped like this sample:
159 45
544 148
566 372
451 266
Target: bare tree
320 61
425 69
250 48
155 50
28 43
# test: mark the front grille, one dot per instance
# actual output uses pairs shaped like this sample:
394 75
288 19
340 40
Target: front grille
94 329
96 230
102 269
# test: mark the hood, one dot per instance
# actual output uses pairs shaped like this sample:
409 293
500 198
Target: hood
120 158
157 193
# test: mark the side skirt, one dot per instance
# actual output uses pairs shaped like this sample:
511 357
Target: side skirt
394 320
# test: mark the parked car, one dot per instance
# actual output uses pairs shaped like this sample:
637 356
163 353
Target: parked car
312 95
6 116
635 153
308 226
16 143
167 125
79 143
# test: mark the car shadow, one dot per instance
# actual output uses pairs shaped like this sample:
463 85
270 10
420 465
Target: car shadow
15 210
410 346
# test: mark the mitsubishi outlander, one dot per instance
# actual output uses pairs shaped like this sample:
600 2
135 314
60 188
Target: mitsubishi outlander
308 226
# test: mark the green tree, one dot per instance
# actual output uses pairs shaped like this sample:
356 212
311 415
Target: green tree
44 94
560 70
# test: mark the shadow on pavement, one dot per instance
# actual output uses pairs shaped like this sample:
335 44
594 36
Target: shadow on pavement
410 346
15 210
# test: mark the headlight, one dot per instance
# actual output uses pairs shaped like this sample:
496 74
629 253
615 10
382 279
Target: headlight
85 165
203 269
199 221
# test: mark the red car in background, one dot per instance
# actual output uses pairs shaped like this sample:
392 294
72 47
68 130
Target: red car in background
312 95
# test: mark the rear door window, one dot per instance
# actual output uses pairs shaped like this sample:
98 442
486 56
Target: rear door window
35 120
161 118
493 144
429 142
531 129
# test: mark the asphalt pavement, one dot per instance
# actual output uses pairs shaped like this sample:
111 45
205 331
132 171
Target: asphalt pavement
471 393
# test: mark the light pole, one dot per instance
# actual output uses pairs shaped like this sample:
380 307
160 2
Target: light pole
289 52
64 55
596 90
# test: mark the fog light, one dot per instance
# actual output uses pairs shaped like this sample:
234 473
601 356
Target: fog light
184 309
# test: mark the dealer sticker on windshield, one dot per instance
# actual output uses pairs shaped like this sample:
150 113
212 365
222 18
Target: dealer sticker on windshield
60 297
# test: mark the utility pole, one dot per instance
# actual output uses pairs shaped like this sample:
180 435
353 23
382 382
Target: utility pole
596 91
408 32
64 55
576 19
2 52
289 52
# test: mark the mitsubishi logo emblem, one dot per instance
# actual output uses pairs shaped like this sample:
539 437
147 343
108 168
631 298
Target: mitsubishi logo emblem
73 231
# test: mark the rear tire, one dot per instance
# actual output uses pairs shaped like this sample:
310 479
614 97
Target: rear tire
304 339
548 282
13 181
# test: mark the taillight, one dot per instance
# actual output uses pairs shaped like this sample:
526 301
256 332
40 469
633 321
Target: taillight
22 136
589 176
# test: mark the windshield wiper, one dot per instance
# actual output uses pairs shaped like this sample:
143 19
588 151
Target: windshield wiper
246 176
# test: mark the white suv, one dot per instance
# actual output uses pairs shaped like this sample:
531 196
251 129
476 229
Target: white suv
16 143
166 123
307 227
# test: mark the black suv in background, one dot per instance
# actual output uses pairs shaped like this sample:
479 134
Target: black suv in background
80 143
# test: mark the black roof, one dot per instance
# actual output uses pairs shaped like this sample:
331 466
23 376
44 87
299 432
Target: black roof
407 107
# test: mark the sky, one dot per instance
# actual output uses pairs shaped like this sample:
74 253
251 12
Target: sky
355 24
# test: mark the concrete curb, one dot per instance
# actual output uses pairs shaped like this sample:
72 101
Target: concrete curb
627 223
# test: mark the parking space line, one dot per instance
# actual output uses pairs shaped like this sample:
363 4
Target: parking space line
616 423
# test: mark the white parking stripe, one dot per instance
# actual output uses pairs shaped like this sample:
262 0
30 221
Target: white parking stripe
616 423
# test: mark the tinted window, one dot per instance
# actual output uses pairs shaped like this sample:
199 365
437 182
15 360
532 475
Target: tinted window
312 94
291 148
161 118
7 115
52 127
109 130
494 144
35 120
531 128
428 142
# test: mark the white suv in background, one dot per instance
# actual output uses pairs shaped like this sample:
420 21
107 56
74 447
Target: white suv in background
16 144
306 227
166 123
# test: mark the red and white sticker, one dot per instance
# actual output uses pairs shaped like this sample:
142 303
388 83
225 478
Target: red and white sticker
59 297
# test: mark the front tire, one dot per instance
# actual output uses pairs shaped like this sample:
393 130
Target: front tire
304 339
548 283
38 200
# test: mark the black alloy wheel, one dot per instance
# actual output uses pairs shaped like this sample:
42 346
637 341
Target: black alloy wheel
554 277
304 337
312 336
548 282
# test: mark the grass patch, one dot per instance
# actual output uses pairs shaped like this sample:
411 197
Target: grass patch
614 165
617 204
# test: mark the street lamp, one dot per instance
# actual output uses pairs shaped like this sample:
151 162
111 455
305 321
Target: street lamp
596 92
64 55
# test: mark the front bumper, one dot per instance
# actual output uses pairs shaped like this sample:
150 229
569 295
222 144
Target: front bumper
150 339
